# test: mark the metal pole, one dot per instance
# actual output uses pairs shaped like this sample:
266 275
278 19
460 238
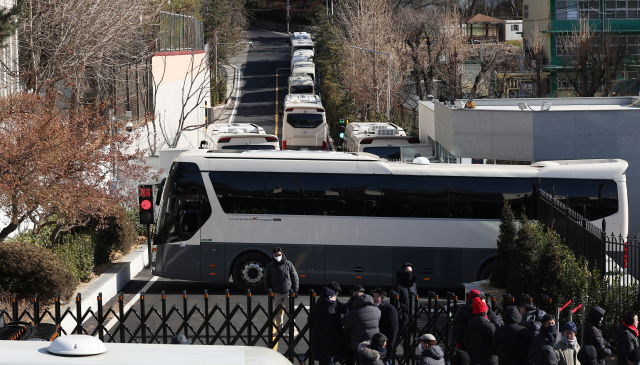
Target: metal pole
216 34
331 7
149 242
389 88
287 16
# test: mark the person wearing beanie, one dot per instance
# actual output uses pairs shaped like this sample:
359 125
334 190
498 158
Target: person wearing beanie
633 357
567 348
361 322
627 336
388 320
460 358
465 314
479 336
180 340
431 353
593 335
512 339
546 356
326 328
588 356
548 336
373 352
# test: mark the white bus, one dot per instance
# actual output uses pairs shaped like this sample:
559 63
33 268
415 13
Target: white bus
37 353
301 55
304 68
304 124
380 139
301 84
355 218
303 43
298 35
242 136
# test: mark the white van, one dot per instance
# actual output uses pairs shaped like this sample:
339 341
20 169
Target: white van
382 139
304 124
242 136
303 43
305 67
301 84
301 55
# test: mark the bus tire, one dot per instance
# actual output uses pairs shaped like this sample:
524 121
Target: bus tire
248 271
485 271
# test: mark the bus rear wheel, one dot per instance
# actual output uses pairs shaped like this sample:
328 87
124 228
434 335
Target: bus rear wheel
248 271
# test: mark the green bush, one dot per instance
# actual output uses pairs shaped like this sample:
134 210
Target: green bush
118 234
524 259
506 246
27 269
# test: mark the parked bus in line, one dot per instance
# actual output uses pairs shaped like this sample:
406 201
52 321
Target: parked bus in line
355 218
302 43
381 139
242 136
304 124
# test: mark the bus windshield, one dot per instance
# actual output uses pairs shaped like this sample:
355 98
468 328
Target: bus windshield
302 89
304 120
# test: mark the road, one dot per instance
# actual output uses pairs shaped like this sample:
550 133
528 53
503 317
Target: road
267 61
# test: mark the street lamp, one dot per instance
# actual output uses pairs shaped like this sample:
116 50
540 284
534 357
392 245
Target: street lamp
216 38
388 78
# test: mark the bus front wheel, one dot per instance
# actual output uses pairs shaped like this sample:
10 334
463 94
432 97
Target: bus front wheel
248 271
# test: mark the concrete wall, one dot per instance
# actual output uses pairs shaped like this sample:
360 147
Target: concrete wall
182 78
538 11
9 57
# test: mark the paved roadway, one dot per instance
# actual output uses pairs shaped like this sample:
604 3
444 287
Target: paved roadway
267 61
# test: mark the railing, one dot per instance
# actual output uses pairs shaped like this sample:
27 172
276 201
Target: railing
227 324
180 32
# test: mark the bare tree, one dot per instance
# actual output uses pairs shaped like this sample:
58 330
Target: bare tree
534 46
489 57
591 61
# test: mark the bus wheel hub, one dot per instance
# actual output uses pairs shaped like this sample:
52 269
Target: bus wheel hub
252 273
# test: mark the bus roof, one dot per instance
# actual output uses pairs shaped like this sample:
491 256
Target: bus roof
366 163
35 352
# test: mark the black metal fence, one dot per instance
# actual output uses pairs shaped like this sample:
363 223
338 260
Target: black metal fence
252 324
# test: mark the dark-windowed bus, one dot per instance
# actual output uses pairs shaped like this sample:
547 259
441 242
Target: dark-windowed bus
355 218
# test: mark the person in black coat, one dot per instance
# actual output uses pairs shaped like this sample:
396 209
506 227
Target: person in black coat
407 290
546 356
532 318
361 322
479 336
430 352
328 337
512 340
588 355
388 320
465 314
627 336
548 335
593 335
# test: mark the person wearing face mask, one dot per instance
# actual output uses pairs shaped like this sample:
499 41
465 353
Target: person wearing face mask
593 335
372 352
407 289
567 348
280 276
431 353
326 327
388 320
548 336
627 336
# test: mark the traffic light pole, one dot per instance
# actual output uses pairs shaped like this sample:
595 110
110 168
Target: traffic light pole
149 243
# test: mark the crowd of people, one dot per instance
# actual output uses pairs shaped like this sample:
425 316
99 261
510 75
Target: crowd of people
528 335
364 330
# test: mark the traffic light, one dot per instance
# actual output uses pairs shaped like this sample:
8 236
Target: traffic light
145 200
341 128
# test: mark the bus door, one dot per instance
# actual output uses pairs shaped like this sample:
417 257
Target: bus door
185 209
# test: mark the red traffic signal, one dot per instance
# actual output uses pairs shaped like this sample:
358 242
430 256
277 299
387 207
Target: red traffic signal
145 200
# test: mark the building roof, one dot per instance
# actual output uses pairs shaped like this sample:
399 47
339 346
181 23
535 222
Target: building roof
480 18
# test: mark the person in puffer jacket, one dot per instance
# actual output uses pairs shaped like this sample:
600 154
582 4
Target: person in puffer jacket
588 355
372 352
546 356
627 336
361 322
431 354
593 335
548 336
567 348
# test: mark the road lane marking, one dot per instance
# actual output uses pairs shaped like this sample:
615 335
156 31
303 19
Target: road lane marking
133 301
